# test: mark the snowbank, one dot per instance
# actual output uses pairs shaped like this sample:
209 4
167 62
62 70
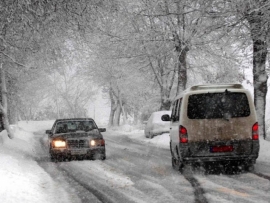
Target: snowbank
22 179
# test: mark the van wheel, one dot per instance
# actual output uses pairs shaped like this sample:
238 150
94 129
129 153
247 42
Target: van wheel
249 167
177 165
174 162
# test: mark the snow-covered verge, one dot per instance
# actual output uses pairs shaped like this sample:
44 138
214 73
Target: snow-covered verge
23 180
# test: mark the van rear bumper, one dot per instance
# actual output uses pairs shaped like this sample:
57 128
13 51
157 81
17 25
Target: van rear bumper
246 159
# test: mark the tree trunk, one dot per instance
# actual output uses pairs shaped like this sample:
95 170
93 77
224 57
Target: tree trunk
182 70
117 115
181 48
165 101
3 106
124 113
260 77
121 103
113 108
260 81
111 117
136 117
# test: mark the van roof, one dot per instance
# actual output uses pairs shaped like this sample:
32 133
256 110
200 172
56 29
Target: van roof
211 87
216 86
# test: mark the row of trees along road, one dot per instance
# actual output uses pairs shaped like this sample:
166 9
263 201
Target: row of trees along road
141 52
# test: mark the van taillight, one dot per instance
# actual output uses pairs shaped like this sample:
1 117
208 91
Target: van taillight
183 136
255 131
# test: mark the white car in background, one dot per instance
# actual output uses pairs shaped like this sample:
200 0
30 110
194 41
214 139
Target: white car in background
155 126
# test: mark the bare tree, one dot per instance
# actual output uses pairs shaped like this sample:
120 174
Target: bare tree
4 105
257 14
251 20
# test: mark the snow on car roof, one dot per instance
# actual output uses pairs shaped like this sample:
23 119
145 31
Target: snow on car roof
72 119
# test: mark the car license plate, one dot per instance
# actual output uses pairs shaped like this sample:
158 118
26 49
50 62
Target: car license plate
78 152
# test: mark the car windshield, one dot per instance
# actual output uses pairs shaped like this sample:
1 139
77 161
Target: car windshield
73 126
218 105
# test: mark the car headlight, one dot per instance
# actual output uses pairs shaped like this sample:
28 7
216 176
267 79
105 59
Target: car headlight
92 143
59 143
97 142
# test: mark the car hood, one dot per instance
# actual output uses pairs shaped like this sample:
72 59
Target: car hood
79 134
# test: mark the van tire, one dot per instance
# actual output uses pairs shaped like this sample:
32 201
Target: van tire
176 163
249 167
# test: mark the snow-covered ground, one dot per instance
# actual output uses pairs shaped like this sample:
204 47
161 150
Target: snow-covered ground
23 180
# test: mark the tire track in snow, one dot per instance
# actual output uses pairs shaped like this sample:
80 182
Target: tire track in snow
262 175
71 185
91 188
198 190
98 194
87 190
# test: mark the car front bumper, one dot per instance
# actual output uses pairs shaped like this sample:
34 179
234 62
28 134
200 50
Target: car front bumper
78 152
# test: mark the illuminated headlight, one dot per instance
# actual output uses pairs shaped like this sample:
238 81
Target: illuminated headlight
97 142
59 143
93 143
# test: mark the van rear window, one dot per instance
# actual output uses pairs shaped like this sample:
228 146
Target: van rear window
218 105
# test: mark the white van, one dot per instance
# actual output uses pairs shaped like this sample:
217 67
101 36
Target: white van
213 123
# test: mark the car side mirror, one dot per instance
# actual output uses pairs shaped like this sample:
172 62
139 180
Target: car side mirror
102 129
48 132
165 117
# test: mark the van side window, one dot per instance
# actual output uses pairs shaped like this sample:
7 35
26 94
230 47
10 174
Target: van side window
174 109
178 110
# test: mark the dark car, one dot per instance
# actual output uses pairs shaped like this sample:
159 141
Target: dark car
76 138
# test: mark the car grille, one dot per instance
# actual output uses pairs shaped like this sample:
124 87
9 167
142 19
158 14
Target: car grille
77 143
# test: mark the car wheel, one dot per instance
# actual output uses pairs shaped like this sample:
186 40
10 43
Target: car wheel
146 135
99 157
103 157
52 158
59 158
150 135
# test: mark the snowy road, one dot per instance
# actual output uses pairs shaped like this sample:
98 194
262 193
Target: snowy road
137 171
